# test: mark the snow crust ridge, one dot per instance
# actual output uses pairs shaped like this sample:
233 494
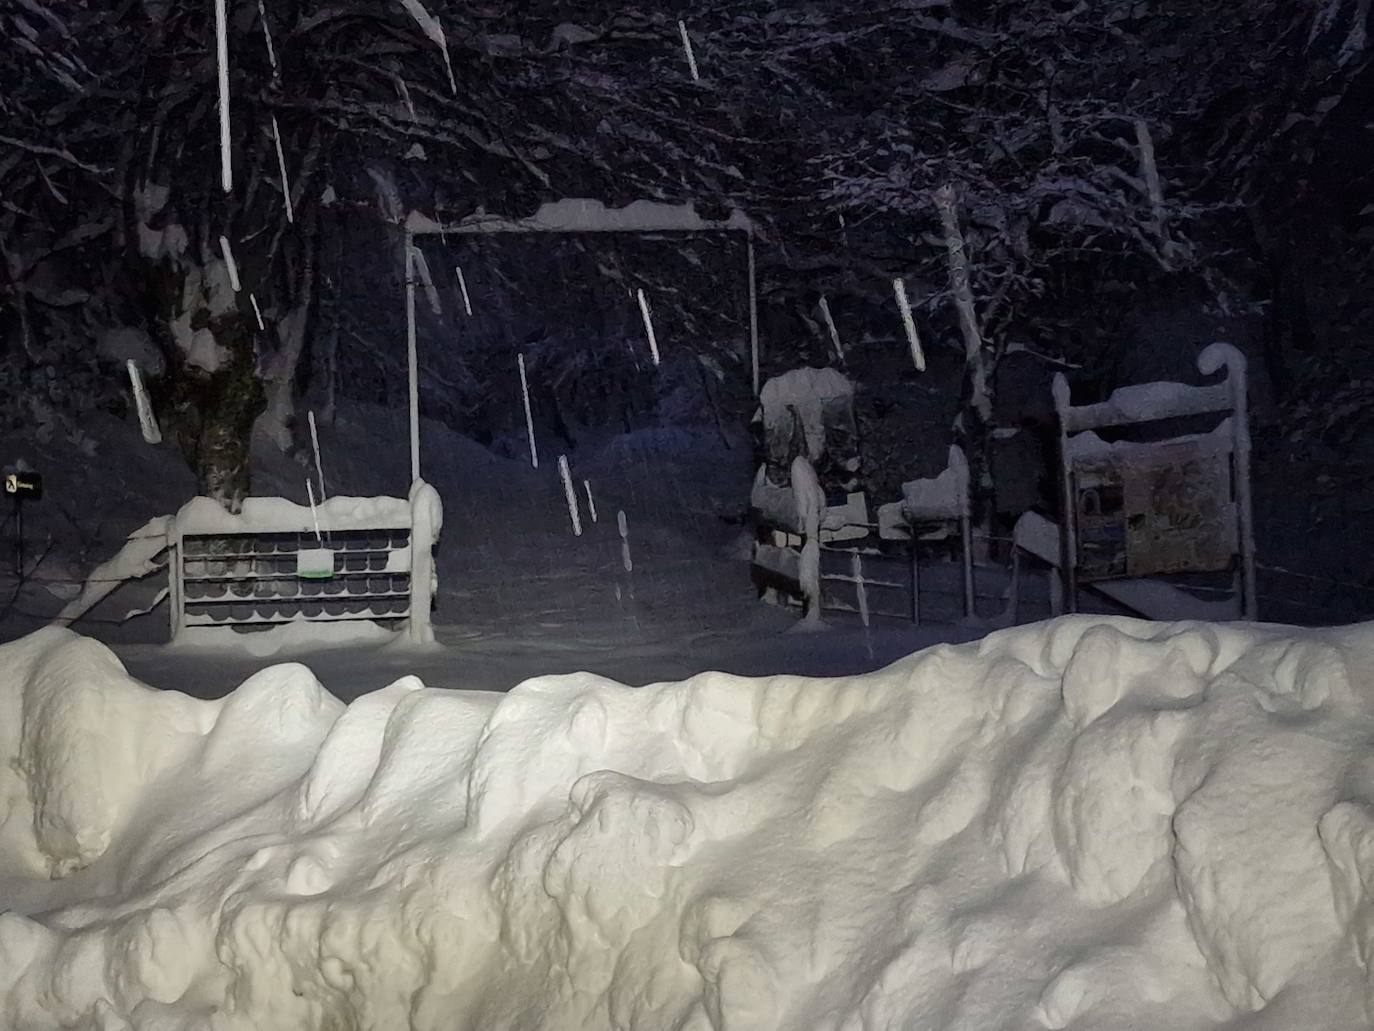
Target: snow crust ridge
1088 823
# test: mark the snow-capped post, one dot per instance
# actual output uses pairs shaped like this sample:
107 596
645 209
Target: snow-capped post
830 328
412 369
904 306
591 501
809 499
147 421
463 286
648 324
281 166
570 494
267 35
753 313
315 445
230 263
222 56
687 46
529 416
257 312
624 528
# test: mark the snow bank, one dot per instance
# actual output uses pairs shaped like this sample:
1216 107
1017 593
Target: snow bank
1090 823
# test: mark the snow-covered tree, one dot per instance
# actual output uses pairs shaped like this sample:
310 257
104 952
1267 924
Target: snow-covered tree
1085 149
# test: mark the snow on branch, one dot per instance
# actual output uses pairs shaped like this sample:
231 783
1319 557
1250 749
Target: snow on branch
430 26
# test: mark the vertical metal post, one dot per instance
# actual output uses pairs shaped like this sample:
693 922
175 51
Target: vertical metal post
18 537
915 580
753 314
176 591
412 364
1068 553
1216 356
1241 418
966 541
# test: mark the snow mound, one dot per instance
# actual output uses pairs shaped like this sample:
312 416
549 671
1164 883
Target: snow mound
1089 823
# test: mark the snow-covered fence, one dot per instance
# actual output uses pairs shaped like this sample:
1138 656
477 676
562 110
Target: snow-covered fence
1135 509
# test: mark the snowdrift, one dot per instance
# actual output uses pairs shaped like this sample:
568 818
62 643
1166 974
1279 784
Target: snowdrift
1089 823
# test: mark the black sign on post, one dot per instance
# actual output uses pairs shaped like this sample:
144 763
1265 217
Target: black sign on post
25 486
21 486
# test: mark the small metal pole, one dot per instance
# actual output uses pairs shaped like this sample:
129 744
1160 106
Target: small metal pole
915 580
18 536
1068 530
753 316
412 364
965 532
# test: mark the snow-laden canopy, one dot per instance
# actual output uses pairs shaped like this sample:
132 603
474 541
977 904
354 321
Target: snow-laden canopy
1089 146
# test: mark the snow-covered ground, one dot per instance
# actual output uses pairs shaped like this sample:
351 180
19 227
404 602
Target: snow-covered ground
519 594
1088 823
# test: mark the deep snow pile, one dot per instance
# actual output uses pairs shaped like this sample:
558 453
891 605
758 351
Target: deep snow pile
1087 823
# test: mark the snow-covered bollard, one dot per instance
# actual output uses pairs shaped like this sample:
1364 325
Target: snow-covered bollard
648 324
570 494
809 499
529 416
904 306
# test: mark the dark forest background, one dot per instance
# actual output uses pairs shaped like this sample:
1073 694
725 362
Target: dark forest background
1132 180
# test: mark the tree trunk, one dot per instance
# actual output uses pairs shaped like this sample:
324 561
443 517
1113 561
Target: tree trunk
210 394
974 425
211 410
279 379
